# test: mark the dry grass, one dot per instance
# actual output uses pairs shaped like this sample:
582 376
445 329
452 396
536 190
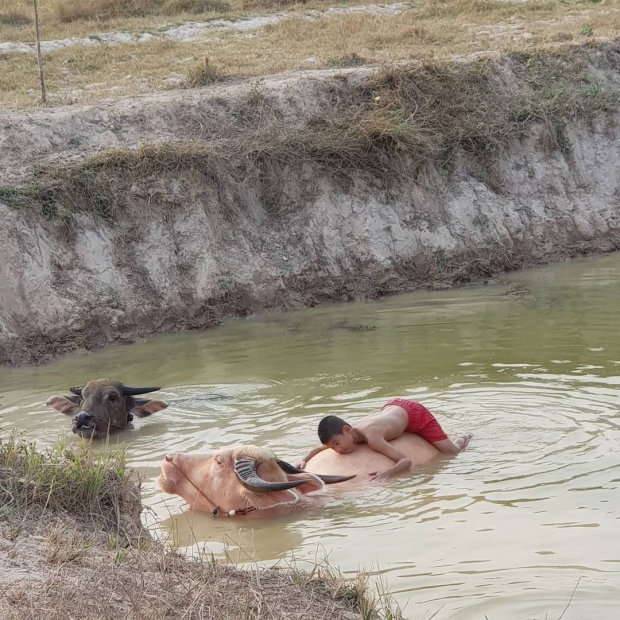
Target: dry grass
73 10
343 62
157 585
253 5
54 565
203 74
430 31
66 544
393 126
14 20
77 18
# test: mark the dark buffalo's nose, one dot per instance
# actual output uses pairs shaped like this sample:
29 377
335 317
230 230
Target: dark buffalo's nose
82 419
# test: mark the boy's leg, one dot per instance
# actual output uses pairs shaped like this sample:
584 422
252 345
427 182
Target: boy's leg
424 423
447 446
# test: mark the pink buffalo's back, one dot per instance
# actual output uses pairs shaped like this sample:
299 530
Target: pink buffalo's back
363 460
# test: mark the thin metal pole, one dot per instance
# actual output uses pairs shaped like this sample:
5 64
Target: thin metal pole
36 27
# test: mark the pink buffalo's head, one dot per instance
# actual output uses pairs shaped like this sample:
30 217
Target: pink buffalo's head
242 479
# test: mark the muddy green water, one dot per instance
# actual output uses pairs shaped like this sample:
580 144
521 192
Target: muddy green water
504 531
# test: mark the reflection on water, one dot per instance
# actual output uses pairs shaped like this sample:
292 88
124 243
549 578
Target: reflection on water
506 530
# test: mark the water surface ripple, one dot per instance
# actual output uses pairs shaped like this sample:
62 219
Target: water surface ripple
504 531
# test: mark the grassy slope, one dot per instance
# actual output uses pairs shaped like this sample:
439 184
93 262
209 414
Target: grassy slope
393 125
429 30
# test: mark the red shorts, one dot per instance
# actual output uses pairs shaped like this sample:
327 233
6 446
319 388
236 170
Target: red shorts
421 420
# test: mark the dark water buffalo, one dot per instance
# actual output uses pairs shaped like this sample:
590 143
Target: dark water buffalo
103 406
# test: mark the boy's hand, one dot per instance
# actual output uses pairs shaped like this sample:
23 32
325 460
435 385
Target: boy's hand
301 465
376 476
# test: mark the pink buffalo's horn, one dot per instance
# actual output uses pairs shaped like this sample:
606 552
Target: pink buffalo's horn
246 472
289 469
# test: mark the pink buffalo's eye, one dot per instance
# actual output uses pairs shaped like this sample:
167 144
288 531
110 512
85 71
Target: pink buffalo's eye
113 396
218 460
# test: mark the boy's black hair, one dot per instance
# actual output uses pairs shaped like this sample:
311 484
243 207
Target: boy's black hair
329 426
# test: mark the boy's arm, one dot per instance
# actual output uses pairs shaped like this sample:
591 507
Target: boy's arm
313 452
402 462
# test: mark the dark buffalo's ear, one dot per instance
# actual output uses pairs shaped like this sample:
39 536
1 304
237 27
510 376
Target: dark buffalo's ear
143 407
69 405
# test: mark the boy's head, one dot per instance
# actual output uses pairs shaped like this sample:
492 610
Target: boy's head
335 433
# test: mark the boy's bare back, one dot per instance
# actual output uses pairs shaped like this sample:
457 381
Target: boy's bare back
387 424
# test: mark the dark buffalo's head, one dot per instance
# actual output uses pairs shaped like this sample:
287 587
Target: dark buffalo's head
103 406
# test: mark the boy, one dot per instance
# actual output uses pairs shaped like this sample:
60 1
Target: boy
398 416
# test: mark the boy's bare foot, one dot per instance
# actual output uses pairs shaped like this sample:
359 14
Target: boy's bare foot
448 446
463 442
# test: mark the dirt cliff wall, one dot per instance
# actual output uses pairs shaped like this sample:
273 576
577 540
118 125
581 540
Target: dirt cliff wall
298 190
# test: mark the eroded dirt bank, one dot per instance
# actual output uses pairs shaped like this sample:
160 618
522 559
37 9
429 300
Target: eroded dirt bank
173 211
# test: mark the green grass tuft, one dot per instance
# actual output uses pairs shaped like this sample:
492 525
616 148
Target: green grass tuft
62 480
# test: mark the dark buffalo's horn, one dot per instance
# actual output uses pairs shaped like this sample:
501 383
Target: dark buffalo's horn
289 469
76 390
135 391
246 472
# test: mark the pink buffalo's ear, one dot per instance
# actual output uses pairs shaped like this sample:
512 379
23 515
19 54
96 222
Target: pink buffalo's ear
271 499
143 407
263 501
314 482
69 405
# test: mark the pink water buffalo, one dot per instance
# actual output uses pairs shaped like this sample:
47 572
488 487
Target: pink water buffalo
246 480
252 482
